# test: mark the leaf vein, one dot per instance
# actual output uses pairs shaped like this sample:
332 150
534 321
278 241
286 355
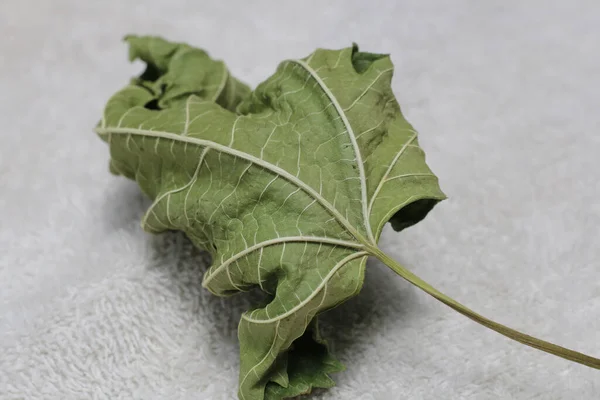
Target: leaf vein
314 292
245 156
271 242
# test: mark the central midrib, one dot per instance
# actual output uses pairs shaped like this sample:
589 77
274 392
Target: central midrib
352 137
262 163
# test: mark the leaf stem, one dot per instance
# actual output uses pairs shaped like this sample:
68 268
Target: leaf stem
503 330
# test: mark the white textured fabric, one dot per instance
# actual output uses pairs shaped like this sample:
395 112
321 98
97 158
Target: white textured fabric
506 97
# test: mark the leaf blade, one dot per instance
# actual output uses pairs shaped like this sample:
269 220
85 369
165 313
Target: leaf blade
271 190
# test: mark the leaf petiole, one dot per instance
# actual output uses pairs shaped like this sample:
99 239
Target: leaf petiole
520 337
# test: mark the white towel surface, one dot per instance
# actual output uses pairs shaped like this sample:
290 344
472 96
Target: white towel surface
506 95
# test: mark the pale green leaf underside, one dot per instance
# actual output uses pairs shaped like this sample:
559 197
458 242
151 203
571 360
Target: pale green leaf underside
288 189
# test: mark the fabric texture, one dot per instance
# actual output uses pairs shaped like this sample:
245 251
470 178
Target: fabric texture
505 96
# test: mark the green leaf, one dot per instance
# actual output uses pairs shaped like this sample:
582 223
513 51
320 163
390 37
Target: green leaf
287 187
284 194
